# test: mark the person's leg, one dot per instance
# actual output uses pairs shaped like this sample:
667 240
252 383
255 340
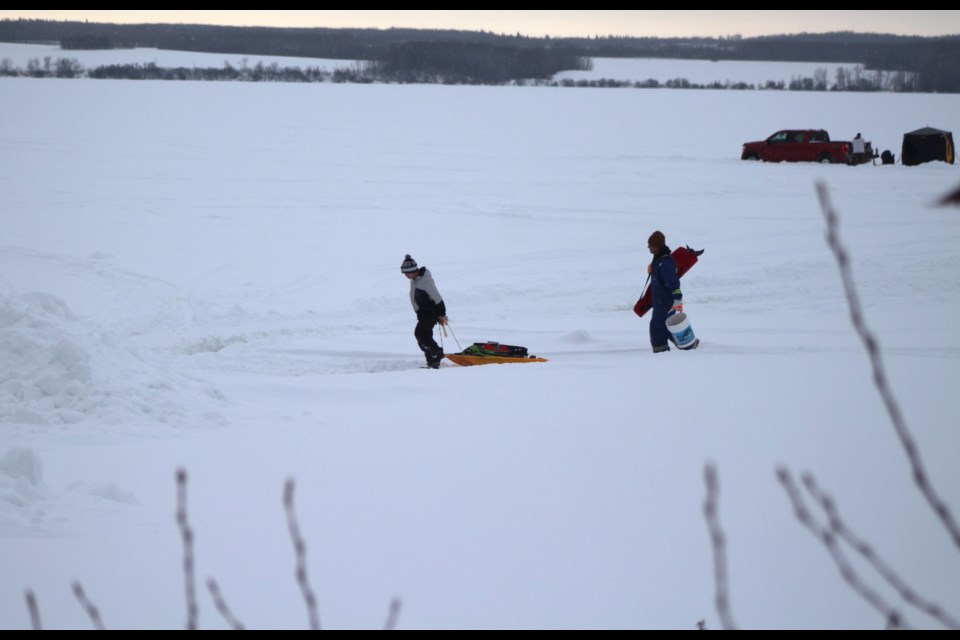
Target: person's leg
659 335
424 335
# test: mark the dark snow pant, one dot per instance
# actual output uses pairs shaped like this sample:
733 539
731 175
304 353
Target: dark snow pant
424 335
660 337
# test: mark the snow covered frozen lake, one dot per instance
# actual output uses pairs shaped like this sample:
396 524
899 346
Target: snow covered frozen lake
20 54
701 72
206 276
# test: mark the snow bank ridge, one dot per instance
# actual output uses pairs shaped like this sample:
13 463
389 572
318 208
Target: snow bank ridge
44 367
58 369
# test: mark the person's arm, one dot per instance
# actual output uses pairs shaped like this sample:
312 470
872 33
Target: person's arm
670 279
429 302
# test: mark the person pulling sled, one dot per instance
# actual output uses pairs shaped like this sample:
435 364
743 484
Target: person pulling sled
430 309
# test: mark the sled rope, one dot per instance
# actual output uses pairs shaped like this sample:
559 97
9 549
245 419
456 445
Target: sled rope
444 327
645 284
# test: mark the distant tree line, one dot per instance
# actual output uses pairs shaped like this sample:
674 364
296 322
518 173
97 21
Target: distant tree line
257 73
70 68
481 69
48 67
651 83
92 42
419 55
856 79
471 63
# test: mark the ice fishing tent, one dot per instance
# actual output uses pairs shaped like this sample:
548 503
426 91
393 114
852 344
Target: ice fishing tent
925 145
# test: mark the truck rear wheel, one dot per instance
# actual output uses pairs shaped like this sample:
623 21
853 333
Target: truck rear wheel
824 159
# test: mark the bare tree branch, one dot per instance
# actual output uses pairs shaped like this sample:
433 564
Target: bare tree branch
920 476
34 611
88 607
722 598
222 607
301 552
393 615
187 535
891 615
840 529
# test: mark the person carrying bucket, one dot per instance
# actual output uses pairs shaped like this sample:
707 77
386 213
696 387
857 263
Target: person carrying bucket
669 323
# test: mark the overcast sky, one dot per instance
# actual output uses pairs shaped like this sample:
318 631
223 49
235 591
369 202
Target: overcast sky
553 23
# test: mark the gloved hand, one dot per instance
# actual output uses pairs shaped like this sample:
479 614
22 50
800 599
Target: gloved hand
677 306
649 269
442 321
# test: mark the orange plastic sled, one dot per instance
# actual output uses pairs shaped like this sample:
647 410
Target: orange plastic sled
469 361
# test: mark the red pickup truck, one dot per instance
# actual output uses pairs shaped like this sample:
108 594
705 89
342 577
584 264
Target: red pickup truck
798 145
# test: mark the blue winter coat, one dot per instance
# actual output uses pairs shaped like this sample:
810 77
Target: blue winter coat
664 281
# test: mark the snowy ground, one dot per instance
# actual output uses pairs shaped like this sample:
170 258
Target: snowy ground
206 276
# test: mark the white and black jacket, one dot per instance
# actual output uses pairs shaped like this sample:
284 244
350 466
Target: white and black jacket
425 298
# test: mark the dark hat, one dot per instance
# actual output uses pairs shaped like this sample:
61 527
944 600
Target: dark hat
409 265
656 239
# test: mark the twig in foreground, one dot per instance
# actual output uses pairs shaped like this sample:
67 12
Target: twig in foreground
393 615
34 611
222 607
920 476
717 539
839 528
88 607
187 535
892 616
301 552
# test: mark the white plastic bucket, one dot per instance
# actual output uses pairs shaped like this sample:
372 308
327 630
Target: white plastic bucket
679 327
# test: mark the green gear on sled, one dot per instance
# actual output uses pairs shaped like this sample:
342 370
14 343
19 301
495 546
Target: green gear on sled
495 349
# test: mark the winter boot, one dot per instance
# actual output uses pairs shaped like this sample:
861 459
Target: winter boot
434 358
661 348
